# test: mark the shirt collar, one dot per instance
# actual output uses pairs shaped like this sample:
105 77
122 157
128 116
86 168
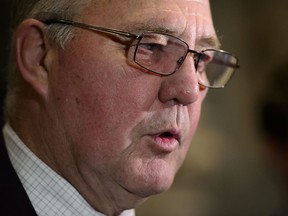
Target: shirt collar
49 193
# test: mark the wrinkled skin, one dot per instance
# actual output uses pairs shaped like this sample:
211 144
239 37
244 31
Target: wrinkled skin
103 119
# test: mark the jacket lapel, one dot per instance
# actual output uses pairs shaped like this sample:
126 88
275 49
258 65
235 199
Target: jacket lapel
14 200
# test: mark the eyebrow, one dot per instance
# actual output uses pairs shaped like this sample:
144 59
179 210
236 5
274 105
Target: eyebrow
138 28
211 42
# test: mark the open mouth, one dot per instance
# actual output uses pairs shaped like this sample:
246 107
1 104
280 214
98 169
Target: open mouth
166 141
169 135
166 135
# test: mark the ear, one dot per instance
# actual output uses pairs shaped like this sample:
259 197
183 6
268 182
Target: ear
31 51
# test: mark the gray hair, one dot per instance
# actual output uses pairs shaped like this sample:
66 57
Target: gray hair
58 35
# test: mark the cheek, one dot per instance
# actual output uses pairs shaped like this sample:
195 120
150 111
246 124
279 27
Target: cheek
99 104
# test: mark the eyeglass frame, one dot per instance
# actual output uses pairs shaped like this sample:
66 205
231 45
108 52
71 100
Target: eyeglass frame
139 37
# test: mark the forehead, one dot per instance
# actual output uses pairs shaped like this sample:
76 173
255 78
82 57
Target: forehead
177 16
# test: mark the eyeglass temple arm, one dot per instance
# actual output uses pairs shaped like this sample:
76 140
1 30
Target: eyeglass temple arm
91 27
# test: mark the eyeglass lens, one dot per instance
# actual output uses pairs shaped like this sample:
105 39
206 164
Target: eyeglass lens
164 54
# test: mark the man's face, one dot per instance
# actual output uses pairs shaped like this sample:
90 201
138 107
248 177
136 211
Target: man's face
117 125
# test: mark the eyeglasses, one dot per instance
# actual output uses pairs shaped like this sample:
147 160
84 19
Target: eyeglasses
164 54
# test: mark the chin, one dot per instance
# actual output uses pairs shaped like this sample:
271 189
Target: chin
149 188
152 181
157 187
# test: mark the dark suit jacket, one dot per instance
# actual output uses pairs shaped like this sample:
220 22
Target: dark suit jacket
13 198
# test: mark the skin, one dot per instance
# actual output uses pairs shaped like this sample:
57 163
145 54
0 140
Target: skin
96 118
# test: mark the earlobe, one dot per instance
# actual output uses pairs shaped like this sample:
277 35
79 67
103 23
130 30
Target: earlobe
31 51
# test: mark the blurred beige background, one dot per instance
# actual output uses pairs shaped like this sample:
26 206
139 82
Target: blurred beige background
225 173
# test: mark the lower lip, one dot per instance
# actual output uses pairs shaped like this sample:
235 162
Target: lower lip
165 144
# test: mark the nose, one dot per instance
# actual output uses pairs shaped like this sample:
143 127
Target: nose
181 87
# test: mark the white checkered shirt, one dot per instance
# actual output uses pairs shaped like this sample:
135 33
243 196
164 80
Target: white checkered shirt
50 194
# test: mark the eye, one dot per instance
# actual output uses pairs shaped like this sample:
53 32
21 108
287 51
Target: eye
153 43
151 47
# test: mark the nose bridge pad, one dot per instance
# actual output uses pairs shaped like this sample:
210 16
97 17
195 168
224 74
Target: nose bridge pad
181 60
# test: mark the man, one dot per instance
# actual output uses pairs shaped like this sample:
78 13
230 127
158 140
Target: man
99 113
